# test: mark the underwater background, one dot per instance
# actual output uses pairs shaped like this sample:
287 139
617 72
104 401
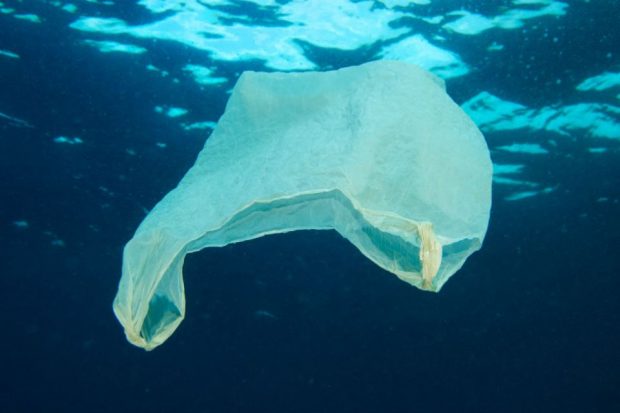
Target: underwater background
104 105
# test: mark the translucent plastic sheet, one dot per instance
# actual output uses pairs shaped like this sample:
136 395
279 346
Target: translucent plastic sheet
378 152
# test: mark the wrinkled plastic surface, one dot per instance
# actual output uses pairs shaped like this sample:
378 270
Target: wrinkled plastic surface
378 152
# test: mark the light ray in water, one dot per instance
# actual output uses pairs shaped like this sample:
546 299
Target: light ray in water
13 121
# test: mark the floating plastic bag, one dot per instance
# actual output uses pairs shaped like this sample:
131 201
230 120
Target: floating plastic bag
378 152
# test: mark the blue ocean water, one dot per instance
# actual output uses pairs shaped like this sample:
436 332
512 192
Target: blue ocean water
104 105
